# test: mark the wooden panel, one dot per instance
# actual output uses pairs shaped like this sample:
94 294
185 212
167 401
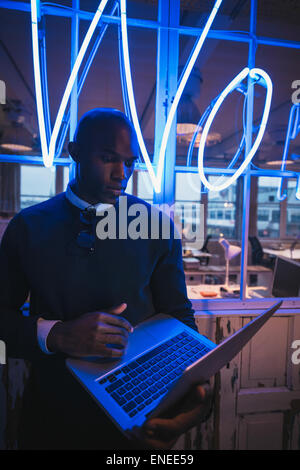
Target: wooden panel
228 388
207 326
261 432
294 432
264 359
294 369
257 400
202 436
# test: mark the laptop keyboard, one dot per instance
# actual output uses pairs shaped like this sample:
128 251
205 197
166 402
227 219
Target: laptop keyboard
147 378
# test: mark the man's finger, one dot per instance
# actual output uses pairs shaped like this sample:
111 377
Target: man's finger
115 320
107 351
113 339
117 309
203 391
162 428
115 330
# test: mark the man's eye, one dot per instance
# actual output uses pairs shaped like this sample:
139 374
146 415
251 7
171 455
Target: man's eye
106 158
130 162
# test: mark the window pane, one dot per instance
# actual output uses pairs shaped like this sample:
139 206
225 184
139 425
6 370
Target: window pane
129 187
293 211
37 184
66 177
268 208
144 186
187 205
221 211
188 187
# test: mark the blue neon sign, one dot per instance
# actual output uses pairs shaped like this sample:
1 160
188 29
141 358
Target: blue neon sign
292 132
236 82
157 178
256 75
48 148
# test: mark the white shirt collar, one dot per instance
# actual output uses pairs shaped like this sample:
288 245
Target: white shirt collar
81 204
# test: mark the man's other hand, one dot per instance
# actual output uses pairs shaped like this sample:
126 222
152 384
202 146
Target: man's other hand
103 333
162 432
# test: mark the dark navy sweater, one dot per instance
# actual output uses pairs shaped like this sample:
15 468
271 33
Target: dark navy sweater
39 256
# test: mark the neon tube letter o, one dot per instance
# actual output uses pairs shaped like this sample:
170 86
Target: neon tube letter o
230 87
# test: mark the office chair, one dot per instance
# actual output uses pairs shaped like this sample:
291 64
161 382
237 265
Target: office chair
258 255
204 260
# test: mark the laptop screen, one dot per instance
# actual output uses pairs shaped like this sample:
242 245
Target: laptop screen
286 282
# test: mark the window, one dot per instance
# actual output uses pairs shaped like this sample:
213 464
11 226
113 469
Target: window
262 215
66 177
144 186
292 211
187 204
221 211
129 187
268 208
37 184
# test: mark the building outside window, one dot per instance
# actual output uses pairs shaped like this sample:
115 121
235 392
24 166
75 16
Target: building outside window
188 204
37 184
144 186
221 211
268 208
292 211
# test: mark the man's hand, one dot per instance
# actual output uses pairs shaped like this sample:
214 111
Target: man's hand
92 334
163 432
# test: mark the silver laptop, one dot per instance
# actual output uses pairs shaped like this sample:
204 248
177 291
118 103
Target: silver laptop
163 360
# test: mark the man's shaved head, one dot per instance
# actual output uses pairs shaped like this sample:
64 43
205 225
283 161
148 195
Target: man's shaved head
105 149
98 122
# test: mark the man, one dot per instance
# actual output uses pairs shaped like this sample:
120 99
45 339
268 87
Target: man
86 294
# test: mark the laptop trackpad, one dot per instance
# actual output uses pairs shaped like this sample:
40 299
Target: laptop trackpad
151 331
139 341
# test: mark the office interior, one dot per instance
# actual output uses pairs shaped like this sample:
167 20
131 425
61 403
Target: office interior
240 244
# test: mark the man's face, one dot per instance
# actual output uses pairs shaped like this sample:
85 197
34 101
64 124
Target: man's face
108 164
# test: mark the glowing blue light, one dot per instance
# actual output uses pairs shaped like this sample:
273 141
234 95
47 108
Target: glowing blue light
254 73
298 188
37 80
48 154
156 179
292 132
130 94
48 148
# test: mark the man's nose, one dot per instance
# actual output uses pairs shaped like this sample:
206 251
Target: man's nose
119 171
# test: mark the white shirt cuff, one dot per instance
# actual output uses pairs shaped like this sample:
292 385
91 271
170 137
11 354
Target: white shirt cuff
43 329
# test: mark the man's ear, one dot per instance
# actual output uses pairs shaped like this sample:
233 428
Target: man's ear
73 149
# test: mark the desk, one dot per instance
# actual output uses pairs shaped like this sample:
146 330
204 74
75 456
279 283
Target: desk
256 276
194 292
199 254
285 253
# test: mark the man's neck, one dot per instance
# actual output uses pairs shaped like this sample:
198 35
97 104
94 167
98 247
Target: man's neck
83 193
